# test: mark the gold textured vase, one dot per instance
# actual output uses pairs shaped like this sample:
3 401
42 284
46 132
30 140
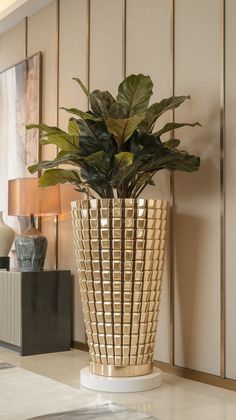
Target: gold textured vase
120 252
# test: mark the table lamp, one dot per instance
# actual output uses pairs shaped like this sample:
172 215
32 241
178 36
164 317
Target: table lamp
26 198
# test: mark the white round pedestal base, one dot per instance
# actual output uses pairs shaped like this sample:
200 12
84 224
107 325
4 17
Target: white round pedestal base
117 384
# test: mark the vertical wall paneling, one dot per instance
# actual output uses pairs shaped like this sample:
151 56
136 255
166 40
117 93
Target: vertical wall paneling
88 53
230 182
148 32
124 39
172 193
56 219
10 308
106 45
222 194
73 62
42 36
26 37
197 203
12 46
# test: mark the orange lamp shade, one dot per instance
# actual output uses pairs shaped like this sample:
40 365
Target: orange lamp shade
25 197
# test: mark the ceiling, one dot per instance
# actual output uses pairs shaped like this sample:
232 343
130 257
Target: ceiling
4 4
13 12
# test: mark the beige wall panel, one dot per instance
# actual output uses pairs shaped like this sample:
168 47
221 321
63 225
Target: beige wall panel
42 36
148 52
230 183
106 45
73 63
12 46
197 216
12 50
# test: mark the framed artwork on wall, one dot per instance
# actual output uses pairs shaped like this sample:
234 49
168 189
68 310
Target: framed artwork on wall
20 104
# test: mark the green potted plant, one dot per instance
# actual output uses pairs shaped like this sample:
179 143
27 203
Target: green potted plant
114 150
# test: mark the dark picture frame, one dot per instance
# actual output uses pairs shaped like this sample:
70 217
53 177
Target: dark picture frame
20 104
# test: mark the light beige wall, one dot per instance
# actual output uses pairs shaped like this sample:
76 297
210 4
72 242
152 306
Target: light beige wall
230 181
42 36
106 44
72 63
148 23
197 57
197 215
12 46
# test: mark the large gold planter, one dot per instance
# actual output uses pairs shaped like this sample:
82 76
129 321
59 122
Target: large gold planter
120 252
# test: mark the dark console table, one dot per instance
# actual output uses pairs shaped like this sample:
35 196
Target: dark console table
35 311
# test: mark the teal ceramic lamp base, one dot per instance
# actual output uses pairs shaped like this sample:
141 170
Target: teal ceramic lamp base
31 249
26 197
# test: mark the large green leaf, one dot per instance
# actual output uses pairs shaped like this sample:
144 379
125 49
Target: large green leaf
46 128
173 160
124 159
57 137
123 162
134 94
73 128
157 109
81 114
101 102
94 137
173 126
95 156
95 178
65 142
97 161
188 163
59 176
122 129
143 143
171 144
65 158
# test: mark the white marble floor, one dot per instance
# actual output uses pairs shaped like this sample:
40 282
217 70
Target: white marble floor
176 399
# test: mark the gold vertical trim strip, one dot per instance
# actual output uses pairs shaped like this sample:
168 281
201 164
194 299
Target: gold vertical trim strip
58 58
172 191
124 41
222 198
88 45
88 61
56 222
26 38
